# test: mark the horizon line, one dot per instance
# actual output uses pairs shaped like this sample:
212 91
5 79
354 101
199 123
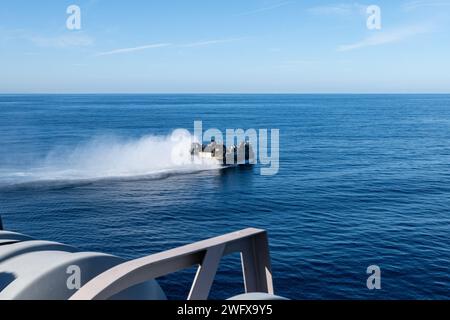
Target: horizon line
224 93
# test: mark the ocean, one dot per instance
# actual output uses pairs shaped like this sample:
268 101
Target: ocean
363 180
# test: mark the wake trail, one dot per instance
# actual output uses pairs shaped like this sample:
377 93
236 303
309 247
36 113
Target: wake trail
109 159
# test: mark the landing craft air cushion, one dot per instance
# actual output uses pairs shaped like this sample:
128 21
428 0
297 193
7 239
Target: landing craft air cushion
231 156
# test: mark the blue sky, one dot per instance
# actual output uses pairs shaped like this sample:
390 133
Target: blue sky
211 46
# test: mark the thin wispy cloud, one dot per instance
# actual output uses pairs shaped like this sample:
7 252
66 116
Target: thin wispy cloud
418 4
275 49
79 39
386 37
64 41
8 34
264 9
208 42
162 45
340 9
133 49
298 63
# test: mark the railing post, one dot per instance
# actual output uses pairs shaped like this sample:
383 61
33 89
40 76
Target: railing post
256 265
206 273
251 243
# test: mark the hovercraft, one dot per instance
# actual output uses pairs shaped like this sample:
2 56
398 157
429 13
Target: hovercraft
235 155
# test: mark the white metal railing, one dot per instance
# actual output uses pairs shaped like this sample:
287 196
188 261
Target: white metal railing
251 243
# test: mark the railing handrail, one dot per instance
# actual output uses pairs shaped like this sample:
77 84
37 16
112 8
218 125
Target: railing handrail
251 243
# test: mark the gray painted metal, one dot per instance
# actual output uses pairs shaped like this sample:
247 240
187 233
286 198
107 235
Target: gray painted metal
19 248
44 275
257 296
31 269
13 236
251 243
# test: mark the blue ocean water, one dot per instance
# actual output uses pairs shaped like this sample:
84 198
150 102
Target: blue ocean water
363 180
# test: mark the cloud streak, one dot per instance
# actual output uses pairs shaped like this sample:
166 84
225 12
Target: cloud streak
133 49
79 39
208 42
342 9
64 41
264 9
413 5
163 45
387 37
